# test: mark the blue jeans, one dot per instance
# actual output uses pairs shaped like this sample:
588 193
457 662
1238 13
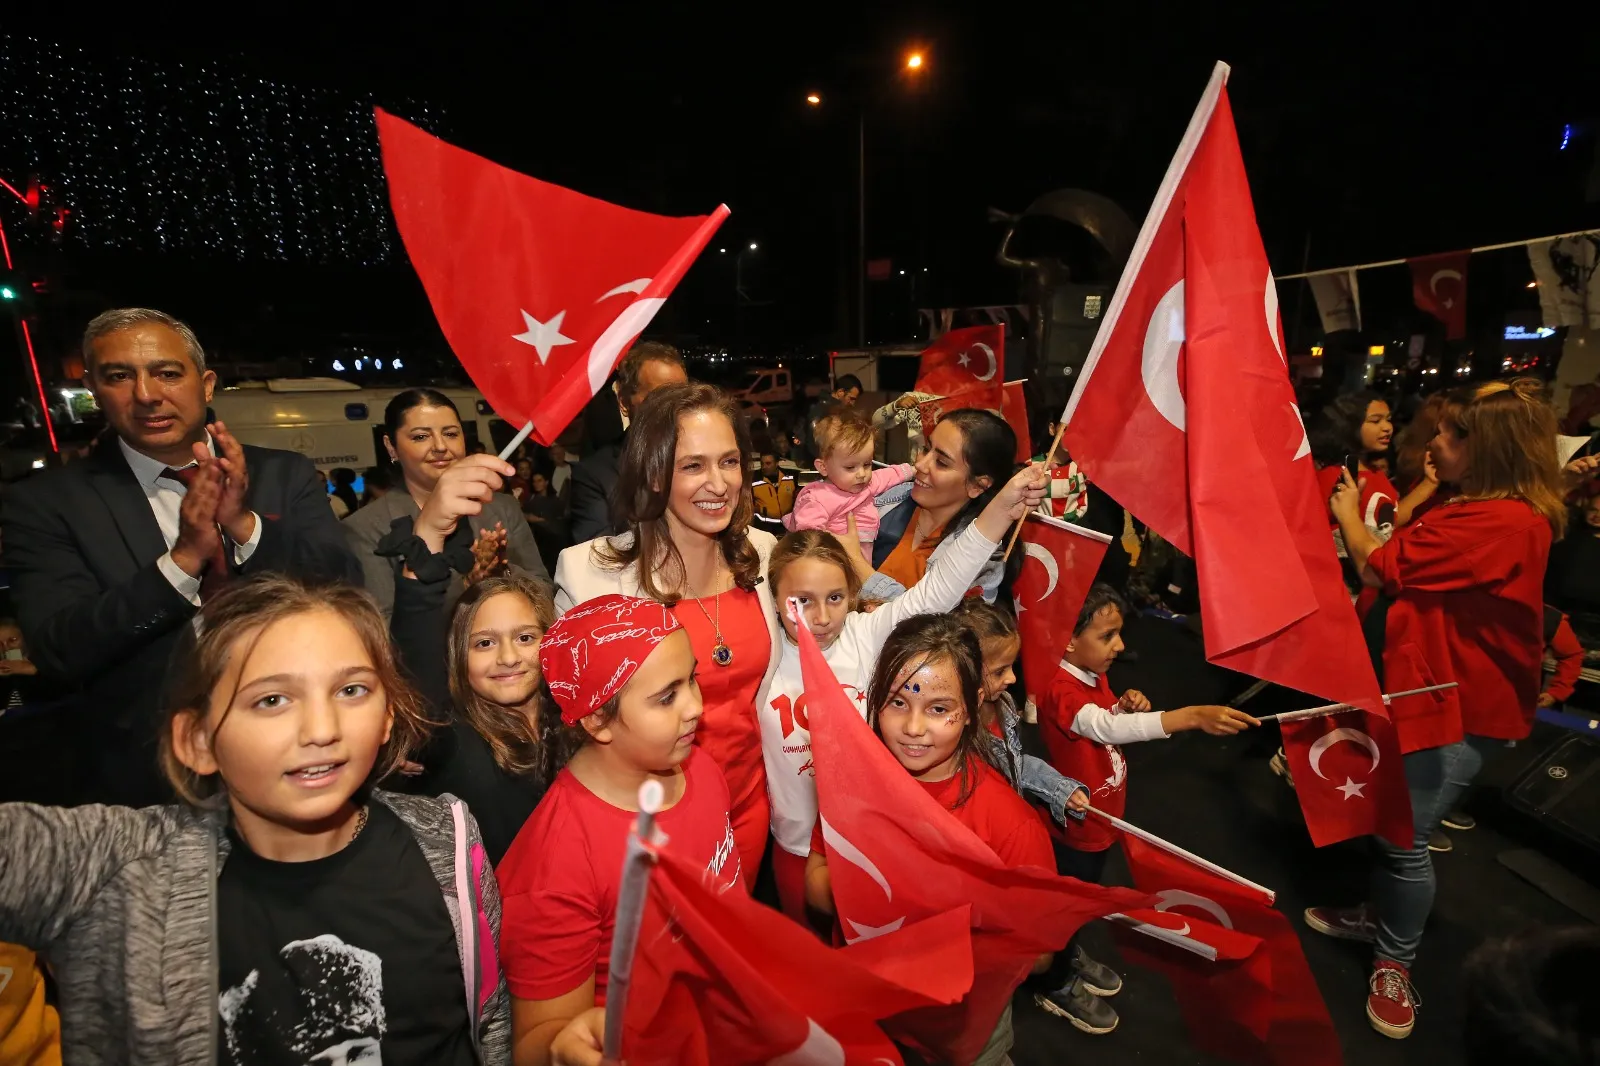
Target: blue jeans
1403 880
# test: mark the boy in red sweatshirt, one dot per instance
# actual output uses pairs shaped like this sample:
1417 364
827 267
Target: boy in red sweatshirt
1083 726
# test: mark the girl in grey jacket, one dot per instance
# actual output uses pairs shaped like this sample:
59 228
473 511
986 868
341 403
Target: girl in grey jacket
286 910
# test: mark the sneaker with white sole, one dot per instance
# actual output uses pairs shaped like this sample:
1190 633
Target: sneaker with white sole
1392 1001
1074 1002
1344 923
1460 820
1439 840
1098 978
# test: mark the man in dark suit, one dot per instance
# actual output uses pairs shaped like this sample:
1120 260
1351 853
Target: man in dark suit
112 555
644 369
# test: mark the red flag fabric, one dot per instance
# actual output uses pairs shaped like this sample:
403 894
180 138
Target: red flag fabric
1014 409
964 360
1187 933
1184 397
1300 1031
1439 287
1058 567
539 290
903 858
1221 979
721 980
932 412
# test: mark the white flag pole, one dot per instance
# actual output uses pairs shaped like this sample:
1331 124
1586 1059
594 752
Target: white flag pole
636 864
516 442
1141 248
1147 232
1183 853
1339 708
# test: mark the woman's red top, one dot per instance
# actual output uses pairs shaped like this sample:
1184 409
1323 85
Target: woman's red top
1466 578
729 731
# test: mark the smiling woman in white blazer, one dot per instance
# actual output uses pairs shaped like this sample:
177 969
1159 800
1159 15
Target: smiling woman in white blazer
683 492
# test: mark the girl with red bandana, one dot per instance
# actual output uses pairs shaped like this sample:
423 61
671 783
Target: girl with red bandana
620 707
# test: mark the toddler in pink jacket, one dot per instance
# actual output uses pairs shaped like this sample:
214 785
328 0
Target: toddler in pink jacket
849 483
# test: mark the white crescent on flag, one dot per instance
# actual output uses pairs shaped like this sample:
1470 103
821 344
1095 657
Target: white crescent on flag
1433 283
994 365
1037 551
1332 737
1163 343
1174 897
847 851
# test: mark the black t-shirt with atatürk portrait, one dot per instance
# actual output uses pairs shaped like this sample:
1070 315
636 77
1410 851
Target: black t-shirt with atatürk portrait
346 959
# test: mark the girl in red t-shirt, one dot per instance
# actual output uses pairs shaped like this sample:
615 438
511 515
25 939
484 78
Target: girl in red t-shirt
923 703
1462 601
620 707
1356 426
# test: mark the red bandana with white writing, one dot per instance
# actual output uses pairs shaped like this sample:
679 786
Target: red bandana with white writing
590 652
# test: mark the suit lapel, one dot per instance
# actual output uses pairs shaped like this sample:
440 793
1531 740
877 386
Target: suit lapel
124 497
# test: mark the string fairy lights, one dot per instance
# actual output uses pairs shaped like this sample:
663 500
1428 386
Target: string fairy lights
198 158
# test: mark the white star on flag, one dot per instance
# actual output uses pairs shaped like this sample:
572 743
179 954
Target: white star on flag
1352 788
543 336
963 360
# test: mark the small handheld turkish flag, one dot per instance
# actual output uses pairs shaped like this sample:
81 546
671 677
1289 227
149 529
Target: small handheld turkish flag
1298 1031
1058 568
903 858
1439 287
970 362
1184 397
539 290
720 980
1348 773
1013 408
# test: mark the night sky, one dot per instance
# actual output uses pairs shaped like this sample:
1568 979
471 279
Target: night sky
1369 133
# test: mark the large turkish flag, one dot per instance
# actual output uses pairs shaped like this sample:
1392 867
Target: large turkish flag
539 290
1285 1022
895 856
720 980
1184 413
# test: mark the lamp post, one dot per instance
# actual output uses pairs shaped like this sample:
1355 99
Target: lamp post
914 64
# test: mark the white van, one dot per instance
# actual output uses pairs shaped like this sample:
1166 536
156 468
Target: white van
337 423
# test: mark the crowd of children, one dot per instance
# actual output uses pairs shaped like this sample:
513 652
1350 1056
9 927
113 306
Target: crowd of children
402 839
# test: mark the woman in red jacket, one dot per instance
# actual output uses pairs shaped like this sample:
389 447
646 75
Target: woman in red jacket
1461 601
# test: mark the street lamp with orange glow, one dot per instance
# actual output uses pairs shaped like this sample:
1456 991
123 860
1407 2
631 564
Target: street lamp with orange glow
915 63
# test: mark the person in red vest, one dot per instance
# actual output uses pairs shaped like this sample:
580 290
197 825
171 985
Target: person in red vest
1461 600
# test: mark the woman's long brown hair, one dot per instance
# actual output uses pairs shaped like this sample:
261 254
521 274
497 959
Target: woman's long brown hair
231 624
508 732
644 484
1510 432
1411 443
931 638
